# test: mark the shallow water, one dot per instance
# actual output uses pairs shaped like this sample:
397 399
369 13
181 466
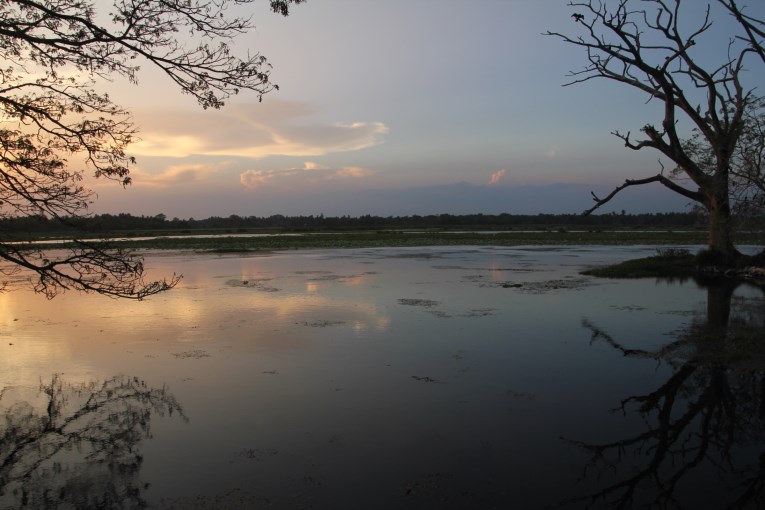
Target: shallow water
386 378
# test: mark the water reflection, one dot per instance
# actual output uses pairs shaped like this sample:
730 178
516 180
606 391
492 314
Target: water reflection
77 445
389 378
705 424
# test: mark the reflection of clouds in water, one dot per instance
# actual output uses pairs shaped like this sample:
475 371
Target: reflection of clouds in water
317 283
293 302
296 308
304 361
381 323
301 297
19 346
80 332
22 355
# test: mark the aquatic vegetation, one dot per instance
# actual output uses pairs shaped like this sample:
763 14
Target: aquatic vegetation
427 303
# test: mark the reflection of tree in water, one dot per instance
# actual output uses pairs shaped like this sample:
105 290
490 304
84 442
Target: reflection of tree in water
76 446
709 415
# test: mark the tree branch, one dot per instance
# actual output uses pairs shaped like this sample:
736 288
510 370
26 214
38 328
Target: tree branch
754 28
54 53
693 195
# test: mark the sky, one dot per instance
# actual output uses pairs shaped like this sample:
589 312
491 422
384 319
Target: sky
398 107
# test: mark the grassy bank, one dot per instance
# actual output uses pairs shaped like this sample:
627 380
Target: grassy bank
371 239
670 260
668 263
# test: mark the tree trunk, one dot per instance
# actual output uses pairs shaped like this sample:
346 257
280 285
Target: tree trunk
720 240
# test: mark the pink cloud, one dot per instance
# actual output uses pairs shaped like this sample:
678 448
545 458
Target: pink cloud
497 176
310 172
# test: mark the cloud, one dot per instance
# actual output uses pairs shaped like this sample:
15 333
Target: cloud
497 176
552 152
351 171
252 179
250 131
310 172
310 165
174 176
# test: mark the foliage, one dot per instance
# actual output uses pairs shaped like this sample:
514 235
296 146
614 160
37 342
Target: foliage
747 173
56 124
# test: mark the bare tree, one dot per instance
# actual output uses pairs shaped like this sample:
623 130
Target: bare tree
55 124
645 45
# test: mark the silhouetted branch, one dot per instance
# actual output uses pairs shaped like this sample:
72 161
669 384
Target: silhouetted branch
693 195
754 28
54 55
88 267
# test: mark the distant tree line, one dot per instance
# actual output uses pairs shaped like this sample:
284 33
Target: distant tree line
123 222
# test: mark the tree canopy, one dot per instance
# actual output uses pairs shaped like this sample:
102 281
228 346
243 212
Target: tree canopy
56 124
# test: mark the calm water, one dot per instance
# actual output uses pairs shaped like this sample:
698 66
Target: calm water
387 378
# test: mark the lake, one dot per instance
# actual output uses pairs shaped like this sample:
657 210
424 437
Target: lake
387 378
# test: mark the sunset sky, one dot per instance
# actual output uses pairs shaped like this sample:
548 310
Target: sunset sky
399 107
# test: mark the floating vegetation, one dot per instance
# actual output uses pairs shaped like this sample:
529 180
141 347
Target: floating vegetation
329 277
425 379
519 394
503 284
257 454
427 303
431 483
628 308
254 282
552 285
257 284
490 269
196 354
681 313
480 312
543 286
421 256
321 323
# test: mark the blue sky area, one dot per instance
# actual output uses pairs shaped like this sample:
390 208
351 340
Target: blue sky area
401 107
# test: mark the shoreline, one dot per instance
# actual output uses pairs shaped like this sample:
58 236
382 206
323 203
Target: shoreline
225 243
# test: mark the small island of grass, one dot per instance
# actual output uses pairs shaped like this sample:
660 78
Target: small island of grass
680 263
